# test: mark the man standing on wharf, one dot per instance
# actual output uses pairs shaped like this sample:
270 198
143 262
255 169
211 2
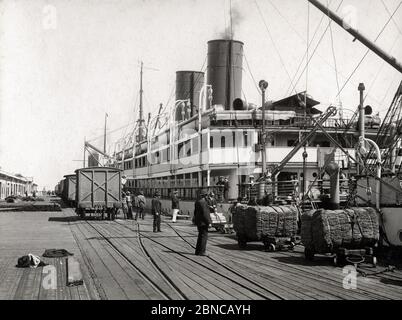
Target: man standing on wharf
202 220
156 212
140 206
175 205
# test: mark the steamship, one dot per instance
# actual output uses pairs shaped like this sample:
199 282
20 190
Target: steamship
212 132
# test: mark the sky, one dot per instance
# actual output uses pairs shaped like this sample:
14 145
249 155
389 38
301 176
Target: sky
65 63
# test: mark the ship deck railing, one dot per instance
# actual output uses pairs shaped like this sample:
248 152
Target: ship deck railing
289 189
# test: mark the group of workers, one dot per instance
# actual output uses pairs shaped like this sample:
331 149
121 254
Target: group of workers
203 207
133 204
136 204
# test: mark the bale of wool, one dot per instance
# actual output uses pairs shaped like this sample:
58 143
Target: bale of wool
326 230
269 220
290 221
331 229
306 232
366 226
255 223
238 217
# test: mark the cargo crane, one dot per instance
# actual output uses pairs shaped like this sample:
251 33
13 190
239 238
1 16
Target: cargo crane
388 189
331 111
90 147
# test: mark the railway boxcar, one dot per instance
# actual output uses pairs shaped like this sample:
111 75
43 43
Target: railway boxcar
69 189
61 188
98 191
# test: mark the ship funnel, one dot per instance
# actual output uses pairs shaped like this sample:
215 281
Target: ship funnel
224 72
188 87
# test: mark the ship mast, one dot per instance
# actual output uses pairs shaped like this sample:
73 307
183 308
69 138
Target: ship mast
104 134
141 120
355 33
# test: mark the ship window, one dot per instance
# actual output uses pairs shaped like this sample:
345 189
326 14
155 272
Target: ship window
211 141
291 143
222 142
234 138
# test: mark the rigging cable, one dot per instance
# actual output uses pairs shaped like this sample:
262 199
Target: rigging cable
230 21
305 104
336 67
393 20
307 54
300 36
379 70
230 59
251 74
316 47
273 42
368 50
312 39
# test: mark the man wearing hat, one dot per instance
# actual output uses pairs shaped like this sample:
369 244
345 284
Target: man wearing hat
156 212
129 205
202 220
140 206
175 205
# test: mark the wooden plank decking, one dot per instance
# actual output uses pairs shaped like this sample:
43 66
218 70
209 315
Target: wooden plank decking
125 260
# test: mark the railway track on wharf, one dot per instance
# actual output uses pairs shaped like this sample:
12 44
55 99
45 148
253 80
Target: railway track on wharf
220 270
161 283
227 273
320 276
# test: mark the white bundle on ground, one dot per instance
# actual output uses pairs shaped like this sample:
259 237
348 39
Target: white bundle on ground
255 223
326 230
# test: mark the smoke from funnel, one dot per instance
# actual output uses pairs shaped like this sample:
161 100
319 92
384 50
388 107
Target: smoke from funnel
235 19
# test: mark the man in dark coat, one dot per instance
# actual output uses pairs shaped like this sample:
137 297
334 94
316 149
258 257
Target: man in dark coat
202 220
156 212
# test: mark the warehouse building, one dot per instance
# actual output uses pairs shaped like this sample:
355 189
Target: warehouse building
15 184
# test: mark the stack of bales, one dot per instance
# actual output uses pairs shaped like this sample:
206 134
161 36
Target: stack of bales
255 223
324 231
